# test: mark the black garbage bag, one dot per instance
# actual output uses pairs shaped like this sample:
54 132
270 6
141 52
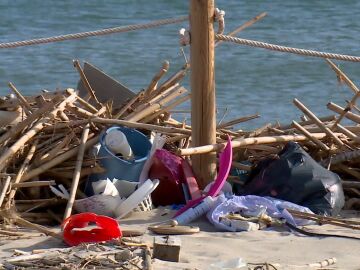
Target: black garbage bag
297 178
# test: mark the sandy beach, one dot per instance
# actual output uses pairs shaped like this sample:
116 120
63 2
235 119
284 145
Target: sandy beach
284 249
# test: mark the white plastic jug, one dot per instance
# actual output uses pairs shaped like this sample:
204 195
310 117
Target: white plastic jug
117 143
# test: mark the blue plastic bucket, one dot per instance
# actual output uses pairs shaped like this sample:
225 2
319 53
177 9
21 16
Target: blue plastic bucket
117 167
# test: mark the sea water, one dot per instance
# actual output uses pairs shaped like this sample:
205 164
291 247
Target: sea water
248 80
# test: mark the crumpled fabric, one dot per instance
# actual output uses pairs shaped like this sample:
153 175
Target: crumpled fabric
274 208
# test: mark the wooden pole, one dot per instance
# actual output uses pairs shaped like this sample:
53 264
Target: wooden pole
203 117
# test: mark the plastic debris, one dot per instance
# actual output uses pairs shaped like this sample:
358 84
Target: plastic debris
75 229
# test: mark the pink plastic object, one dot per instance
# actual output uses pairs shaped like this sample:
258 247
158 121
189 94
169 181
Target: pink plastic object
106 229
224 169
167 168
190 180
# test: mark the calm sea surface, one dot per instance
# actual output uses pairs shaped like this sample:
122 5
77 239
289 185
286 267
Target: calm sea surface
248 80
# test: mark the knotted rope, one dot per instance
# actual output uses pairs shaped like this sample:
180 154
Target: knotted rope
120 29
184 37
258 44
184 34
219 17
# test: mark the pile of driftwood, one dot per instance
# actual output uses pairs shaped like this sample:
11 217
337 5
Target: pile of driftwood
44 140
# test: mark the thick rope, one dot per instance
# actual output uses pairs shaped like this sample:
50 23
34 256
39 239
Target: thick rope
274 47
120 29
219 17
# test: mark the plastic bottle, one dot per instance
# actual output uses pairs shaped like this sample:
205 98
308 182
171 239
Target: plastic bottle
117 142
193 213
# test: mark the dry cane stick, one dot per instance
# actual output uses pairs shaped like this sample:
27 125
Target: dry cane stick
73 123
152 108
348 133
347 109
63 116
141 126
174 123
338 109
84 113
85 81
140 107
309 122
21 97
259 131
166 109
161 95
318 122
21 171
171 81
248 141
35 184
355 107
87 105
237 121
323 220
277 131
76 178
310 137
342 76
349 83
4 190
156 79
129 104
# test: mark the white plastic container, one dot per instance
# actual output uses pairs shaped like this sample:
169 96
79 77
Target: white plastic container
117 143
136 198
196 212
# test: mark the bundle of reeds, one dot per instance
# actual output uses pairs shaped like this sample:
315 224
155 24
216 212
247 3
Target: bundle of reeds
49 143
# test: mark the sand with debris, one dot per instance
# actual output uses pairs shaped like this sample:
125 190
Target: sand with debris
199 251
